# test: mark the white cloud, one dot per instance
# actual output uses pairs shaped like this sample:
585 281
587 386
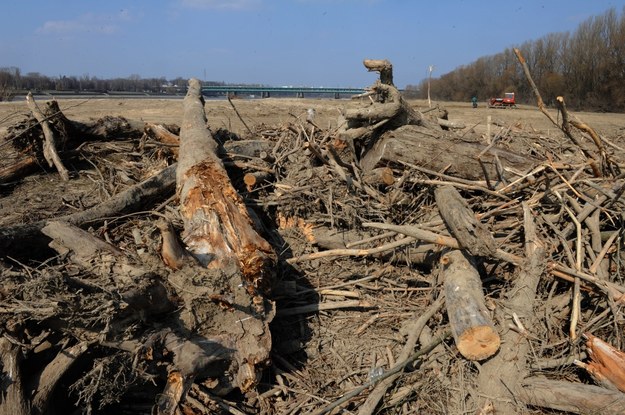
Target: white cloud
221 4
86 23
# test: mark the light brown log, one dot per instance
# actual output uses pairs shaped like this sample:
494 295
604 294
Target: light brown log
436 150
462 223
471 325
383 66
160 133
571 397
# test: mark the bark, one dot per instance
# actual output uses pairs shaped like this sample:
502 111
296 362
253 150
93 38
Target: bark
434 150
52 141
471 325
571 397
462 223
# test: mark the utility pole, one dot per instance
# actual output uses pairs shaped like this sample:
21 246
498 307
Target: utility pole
430 69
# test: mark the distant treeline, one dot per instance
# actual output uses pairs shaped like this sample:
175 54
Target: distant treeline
586 67
13 82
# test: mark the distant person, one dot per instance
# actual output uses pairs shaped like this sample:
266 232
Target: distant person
474 101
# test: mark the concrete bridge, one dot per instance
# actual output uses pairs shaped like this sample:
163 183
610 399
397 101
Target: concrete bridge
267 91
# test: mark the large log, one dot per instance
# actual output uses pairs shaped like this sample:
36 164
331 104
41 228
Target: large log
576 398
437 150
222 299
217 227
471 325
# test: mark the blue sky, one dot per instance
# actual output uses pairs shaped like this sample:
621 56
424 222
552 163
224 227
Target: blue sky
273 42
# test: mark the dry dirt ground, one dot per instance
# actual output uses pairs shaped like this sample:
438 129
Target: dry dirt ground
317 356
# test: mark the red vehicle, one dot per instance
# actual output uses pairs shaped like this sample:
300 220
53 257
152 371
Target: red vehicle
506 102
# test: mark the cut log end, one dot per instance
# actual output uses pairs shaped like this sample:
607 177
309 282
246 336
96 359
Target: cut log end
478 343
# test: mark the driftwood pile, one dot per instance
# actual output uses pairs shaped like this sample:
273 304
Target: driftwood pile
389 265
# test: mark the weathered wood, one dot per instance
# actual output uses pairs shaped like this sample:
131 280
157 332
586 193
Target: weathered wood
50 376
438 151
227 299
471 325
383 67
462 223
576 398
51 143
13 400
500 378
14 239
218 229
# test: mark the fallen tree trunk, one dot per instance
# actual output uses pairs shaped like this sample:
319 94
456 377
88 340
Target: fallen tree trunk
571 397
222 300
471 325
434 150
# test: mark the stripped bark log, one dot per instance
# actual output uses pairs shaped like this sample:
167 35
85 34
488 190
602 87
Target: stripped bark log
471 325
607 364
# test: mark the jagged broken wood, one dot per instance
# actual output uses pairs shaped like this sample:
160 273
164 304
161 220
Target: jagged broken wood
223 297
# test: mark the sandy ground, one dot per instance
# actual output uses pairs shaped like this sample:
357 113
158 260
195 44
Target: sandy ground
274 111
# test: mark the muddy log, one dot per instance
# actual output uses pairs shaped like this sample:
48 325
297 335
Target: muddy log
471 325
438 151
223 297
576 398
